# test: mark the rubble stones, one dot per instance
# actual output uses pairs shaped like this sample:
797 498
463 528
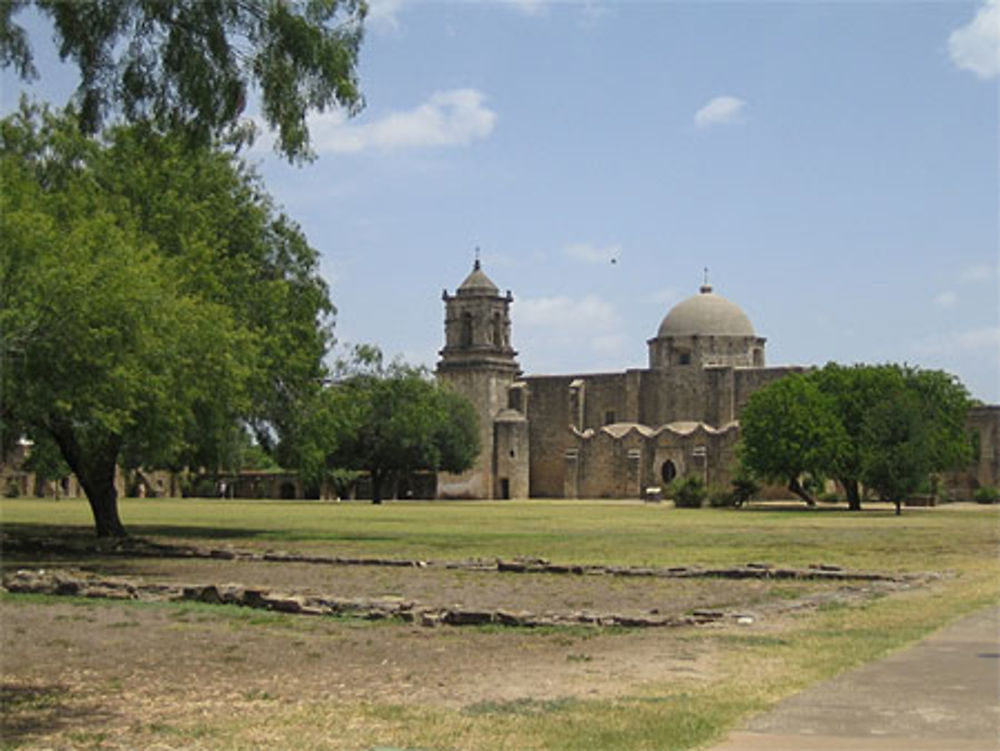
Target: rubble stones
521 565
75 582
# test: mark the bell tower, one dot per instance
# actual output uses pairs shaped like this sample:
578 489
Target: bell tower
477 326
478 362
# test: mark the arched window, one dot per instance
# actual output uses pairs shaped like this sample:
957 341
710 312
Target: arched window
497 330
465 334
668 472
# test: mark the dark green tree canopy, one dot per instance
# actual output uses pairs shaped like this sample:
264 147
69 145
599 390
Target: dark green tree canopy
191 66
387 420
885 427
153 302
789 429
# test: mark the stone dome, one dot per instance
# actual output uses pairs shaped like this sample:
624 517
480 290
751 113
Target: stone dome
477 283
706 314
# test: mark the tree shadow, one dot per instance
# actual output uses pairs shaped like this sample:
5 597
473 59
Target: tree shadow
872 508
34 544
28 711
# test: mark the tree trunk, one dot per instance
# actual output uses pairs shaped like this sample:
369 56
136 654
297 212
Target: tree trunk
853 494
95 468
796 487
376 487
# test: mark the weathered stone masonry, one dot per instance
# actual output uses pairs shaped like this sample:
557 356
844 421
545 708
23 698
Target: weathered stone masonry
613 435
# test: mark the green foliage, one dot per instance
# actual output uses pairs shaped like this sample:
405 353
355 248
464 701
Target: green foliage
885 427
744 485
721 497
789 429
986 494
187 66
152 302
688 492
45 460
387 420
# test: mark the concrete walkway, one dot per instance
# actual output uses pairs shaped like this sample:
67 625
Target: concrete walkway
941 695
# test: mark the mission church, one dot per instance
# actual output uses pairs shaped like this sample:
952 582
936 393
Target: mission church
601 435
614 435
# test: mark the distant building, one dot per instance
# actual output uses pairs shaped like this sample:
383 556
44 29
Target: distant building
614 435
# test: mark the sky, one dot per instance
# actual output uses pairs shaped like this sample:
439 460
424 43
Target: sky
834 165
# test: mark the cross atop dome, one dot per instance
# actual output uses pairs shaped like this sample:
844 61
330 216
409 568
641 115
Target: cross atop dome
705 288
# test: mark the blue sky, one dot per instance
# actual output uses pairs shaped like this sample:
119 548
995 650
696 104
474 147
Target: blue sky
834 165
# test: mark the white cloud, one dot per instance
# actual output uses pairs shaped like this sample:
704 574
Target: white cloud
983 272
592 254
985 341
565 312
383 14
664 296
976 46
562 331
448 118
946 299
528 7
721 109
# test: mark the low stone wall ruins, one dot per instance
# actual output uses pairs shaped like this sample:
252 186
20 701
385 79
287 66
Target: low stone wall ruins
74 582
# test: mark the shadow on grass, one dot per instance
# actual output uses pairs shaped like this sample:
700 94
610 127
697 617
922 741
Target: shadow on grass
873 508
34 544
84 535
33 710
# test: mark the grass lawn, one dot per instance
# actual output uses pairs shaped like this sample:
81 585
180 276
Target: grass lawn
473 688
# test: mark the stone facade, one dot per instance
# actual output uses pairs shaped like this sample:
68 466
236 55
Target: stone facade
615 435
479 362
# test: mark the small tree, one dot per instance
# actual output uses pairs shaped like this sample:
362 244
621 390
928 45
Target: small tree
386 420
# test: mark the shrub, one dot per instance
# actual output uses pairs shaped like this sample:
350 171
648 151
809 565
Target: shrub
721 497
744 487
986 494
688 492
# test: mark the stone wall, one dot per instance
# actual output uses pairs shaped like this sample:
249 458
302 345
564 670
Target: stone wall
983 423
487 389
748 380
511 455
622 460
548 433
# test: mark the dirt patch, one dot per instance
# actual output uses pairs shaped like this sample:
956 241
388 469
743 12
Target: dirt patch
135 666
99 674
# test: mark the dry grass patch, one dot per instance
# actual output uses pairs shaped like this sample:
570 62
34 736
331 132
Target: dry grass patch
186 676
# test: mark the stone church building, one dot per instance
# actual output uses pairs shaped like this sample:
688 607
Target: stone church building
613 435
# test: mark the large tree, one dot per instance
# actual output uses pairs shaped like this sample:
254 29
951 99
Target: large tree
884 427
916 428
789 430
152 301
387 420
191 66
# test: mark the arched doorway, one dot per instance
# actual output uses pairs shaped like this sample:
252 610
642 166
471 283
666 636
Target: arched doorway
668 471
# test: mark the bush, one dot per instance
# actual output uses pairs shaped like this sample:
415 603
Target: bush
744 487
986 494
688 492
720 497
